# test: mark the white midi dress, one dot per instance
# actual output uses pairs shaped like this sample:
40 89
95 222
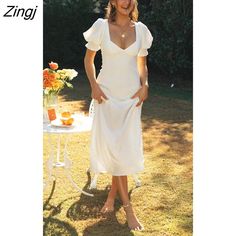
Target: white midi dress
116 145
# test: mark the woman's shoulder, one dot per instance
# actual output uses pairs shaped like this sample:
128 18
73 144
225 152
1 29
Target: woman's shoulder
100 21
98 25
95 32
141 24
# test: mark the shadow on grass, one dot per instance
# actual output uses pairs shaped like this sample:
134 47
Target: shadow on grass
177 142
53 226
89 208
85 208
109 227
175 137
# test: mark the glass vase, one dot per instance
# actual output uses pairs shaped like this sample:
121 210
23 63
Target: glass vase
50 105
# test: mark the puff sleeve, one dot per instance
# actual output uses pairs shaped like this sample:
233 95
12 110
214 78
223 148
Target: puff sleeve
146 38
94 34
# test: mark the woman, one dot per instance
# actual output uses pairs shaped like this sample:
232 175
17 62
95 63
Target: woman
118 94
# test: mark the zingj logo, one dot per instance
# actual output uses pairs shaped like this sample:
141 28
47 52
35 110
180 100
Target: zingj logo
27 14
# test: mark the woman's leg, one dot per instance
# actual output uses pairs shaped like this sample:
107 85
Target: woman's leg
109 204
132 219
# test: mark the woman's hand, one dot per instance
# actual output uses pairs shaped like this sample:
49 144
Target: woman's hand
142 94
97 93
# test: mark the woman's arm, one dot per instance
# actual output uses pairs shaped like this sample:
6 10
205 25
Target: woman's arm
143 70
142 93
97 93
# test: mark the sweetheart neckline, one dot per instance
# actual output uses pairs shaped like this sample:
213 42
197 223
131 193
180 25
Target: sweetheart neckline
123 49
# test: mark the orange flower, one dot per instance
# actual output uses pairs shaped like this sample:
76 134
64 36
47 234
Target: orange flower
51 77
47 83
48 78
55 80
45 73
53 65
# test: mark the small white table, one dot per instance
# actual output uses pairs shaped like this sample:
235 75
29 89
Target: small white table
81 124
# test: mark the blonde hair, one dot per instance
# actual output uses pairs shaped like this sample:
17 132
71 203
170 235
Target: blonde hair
111 12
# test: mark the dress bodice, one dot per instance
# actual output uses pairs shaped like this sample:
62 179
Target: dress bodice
119 72
98 37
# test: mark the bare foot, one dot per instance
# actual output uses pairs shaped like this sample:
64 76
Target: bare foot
108 206
132 219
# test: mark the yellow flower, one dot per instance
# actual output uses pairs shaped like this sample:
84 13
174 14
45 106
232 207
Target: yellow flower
57 84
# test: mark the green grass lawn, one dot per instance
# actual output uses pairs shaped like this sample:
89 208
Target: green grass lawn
164 201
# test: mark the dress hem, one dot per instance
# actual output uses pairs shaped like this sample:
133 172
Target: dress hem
116 174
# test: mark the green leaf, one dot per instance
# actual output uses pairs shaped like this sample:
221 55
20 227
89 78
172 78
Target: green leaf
69 85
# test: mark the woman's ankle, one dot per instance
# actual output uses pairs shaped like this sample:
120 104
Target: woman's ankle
110 199
111 196
127 205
